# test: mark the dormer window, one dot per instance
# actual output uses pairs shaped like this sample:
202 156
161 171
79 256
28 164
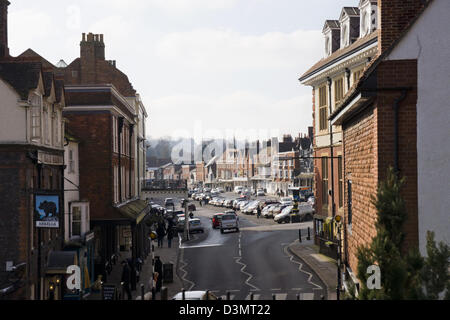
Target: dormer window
331 32
350 25
344 39
369 21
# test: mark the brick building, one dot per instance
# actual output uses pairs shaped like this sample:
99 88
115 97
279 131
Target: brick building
389 118
31 170
107 114
351 42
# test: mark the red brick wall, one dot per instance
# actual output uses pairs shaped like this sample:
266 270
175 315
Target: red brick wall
396 15
96 173
369 151
360 157
391 74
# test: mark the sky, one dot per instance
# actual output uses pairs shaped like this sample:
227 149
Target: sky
204 68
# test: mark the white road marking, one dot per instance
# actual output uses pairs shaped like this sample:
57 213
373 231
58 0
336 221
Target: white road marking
317 287
238 261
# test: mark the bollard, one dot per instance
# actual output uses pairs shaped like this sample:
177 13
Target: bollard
153 294
183 294
274 297
300 235
207 294
228 295
122 291
143 291
298 297
309 233
164 294
252 297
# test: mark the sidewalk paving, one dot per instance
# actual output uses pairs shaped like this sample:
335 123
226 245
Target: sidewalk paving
323 266
167 255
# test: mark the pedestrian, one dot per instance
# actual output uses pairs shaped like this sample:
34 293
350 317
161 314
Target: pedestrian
201 205
161 231
259 211
159 271
126 278
170 235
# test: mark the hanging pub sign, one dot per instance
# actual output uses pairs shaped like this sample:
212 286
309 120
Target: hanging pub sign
47 211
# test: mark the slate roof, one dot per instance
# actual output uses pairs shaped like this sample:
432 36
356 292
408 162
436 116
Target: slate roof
350 11
338 54
22 76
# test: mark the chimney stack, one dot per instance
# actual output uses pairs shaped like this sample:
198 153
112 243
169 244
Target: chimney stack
4 48
395 16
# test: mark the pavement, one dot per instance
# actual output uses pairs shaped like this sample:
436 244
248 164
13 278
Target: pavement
167 255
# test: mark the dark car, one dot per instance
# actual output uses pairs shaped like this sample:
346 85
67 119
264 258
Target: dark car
216 220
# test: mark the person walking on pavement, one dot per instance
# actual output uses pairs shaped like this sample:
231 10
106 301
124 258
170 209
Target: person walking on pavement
159 271
170 235
126 278
259 211
161 231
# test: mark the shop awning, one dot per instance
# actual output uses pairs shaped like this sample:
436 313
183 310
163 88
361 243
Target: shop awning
58 261
135 211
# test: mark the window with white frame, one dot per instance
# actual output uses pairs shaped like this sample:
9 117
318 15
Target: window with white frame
36 117
76 221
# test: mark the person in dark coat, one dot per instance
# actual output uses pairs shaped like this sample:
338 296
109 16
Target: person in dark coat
259 212
126 278
159 270
170 235
161 231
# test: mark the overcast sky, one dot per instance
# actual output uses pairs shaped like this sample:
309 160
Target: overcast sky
202 67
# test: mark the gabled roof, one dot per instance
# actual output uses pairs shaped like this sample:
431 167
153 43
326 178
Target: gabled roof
372 1
22 76
332 24
349 11
31 55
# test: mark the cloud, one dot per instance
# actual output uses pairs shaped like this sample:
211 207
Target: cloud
240 111
227 49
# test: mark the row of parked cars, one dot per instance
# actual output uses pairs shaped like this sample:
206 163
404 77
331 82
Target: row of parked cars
281 211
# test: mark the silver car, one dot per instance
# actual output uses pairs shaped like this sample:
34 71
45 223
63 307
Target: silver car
229 222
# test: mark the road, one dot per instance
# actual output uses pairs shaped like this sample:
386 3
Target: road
253 261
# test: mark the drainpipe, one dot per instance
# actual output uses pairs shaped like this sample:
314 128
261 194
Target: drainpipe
333 207
396 138
120 158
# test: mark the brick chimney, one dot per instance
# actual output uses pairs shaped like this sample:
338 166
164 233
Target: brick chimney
92 50
395 16
4 49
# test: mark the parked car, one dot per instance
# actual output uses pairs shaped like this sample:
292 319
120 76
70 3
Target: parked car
216 220
260 193
305 213
238 190
229 222
312 200
221 190
286 201
265 213
228 203
284 216
169 202
277 209
251 207
195 295
242 204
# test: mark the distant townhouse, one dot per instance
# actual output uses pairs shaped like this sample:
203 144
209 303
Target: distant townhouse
396 116
350 43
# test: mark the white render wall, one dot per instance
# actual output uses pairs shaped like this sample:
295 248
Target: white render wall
13 117
429 42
